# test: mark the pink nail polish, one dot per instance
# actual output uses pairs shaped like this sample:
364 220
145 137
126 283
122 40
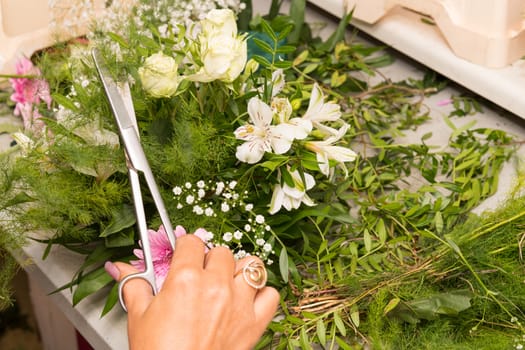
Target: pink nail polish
112 270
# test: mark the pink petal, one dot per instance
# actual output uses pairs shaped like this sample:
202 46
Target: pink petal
444 102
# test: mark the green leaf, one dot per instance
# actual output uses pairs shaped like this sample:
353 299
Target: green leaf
392 304
300 58
381 231
264 341
124 238
438 221
453 245
285 49
273 163
367 239
244 17
111 300
466 164
269 31
297 10
119 39
91 283
64 102
338 35
310 68
262 60
19 198
304 341
339 323
430 308
343 344
283 264
98 255
284 31
121 218
321 331
354 316
263 45
282 64
287 177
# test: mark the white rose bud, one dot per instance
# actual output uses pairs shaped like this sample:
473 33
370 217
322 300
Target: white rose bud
223 52
159 75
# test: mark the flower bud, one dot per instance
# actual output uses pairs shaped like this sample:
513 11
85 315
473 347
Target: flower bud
159 75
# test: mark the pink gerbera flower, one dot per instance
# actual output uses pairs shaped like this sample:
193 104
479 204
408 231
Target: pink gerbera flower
161 251
28 92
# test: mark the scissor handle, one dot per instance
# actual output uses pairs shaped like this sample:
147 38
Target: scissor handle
148 276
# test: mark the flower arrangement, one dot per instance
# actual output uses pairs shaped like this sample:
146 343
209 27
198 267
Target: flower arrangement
275 143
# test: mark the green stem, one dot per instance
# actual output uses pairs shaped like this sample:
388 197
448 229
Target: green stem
475 235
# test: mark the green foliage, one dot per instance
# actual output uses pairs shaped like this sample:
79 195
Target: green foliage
7 272
391 257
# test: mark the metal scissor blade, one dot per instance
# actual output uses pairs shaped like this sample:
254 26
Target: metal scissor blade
119 97
121 108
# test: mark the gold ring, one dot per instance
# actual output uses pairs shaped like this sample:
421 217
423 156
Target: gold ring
254 273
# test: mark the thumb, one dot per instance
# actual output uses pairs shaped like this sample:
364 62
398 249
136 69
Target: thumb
136 292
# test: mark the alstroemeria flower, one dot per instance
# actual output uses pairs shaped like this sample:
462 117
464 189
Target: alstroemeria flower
161 251
29 92
223 53
159 75
325 150
298 127
261 136
318 111
292 197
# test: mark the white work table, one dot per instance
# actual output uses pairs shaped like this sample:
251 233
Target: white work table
404 31
45 276
109 332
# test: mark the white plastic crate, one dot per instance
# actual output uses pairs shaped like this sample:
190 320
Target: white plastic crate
486 32
30 25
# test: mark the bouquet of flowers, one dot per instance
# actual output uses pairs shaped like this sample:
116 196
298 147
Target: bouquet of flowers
275 143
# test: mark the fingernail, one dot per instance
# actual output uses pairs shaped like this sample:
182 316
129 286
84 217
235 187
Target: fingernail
112 270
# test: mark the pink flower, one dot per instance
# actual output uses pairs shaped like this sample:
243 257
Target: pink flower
161 251
29 91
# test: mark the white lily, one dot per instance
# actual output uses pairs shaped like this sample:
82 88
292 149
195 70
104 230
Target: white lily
326 151
318 111
261 136
292 197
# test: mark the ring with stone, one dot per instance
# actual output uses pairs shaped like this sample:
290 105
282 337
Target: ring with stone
254 273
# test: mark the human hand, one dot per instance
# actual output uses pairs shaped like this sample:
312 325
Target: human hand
204 302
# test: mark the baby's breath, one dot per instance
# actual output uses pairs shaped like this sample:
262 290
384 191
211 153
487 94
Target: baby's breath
241 229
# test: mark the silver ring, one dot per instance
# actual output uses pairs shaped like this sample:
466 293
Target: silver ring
254 273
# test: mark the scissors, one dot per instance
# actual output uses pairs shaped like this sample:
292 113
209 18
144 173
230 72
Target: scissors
119 97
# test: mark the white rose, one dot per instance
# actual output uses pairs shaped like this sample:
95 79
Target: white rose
223 58
159 75
223 53
219 21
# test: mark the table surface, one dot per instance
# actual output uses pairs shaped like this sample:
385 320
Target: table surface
404 31
109 332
